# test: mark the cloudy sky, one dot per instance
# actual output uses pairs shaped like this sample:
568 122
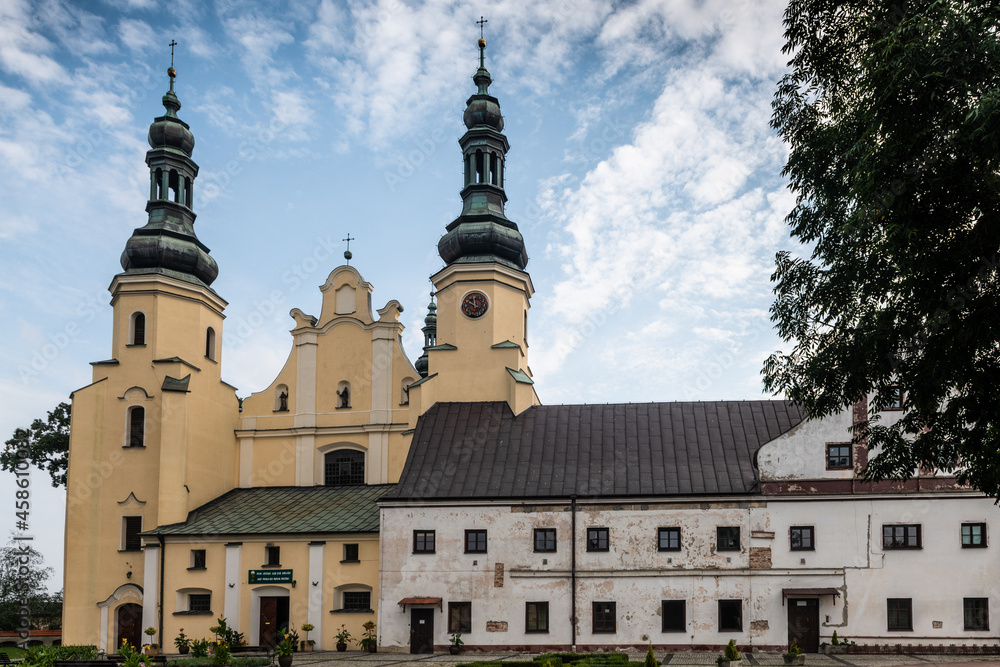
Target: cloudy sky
642 173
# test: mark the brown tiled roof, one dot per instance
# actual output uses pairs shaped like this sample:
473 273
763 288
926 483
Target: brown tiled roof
482 451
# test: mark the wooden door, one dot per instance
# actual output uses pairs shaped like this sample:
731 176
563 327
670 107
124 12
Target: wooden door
268 621
129 622
421 630
803 623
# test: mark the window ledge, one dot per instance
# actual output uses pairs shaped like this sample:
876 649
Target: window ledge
133 446
350 561
211 359
352 611
197 568
127 551
135 345
281 410
271 565
194 613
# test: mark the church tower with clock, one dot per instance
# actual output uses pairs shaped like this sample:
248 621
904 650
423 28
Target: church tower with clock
481 348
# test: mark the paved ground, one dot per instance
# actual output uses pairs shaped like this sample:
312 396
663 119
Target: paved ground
359 659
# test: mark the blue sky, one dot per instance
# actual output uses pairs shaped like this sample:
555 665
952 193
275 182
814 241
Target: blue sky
642 173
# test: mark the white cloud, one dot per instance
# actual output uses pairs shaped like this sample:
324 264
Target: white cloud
23 51
136 34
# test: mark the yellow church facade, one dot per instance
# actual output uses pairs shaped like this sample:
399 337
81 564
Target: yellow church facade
187 504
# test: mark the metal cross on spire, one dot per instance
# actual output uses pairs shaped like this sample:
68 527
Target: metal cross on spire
482 21
173 43
347 253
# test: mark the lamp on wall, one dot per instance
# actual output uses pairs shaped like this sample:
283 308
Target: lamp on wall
128 575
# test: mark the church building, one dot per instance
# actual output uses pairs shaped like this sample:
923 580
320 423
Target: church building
440 496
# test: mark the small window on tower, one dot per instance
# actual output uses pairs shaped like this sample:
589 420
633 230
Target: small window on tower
137 328
136 427
210 343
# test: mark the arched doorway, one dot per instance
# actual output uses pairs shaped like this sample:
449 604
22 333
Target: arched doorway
129 617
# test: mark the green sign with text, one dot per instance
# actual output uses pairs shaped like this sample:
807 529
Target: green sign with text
270 577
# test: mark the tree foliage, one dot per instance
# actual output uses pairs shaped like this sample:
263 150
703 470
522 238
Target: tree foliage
891 112
45 444
23 576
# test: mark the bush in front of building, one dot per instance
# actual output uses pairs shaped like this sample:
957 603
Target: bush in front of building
44 656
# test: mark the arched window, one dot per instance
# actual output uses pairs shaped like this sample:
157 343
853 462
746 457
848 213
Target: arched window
137 329
493 169
343 467
210 343
136 427
281 398
480 167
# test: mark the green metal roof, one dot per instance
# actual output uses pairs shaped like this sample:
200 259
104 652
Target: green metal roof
285 510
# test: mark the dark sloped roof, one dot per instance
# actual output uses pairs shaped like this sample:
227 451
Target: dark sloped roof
481 450
285 510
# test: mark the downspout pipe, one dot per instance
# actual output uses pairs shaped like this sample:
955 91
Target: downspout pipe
163 548
572 505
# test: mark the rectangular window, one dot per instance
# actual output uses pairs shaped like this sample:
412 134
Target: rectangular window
727 538
358 600
597 539
272 556
545 539
668 539
673 616
536 617
423 541
197 559
838 456
895 398
200 602
604 617
977 613
801 538
901 536
459 617
131 527
973 535
900 613
730 615
350 554
475 541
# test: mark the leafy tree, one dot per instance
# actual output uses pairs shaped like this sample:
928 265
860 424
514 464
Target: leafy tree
891 112
46 444
22 584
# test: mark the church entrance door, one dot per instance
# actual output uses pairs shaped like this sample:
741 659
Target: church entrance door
273 618
129 619
803 623
421 630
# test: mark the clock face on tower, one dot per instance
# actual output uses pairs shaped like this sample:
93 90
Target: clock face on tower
475 304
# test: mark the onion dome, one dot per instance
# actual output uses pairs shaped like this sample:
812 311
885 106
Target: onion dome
482 233
482 108
169 131
430 337
167 244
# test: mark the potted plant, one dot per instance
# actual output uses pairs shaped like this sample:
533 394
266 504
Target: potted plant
182 642
284 649
370 641
730 656
456 642
152 648
836 645
342 638
794 655
307 644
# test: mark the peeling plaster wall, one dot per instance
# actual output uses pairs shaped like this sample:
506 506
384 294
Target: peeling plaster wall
637 577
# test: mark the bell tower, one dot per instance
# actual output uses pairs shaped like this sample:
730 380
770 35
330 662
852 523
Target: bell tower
483 292
152 436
